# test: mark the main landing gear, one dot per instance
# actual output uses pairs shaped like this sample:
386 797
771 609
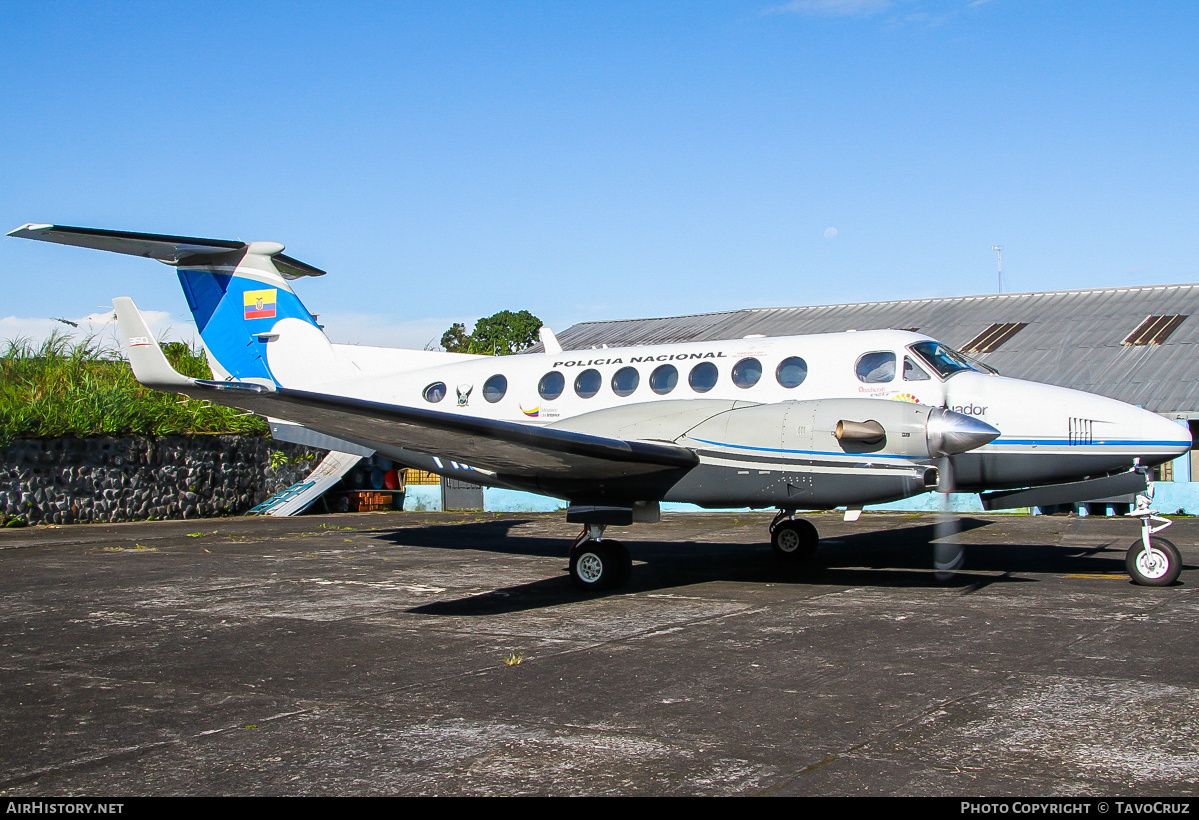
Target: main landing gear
598 563
795 540
1152 561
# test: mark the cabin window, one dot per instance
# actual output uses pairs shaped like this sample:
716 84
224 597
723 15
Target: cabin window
913 372
791 372
747 372
551 385
703 377
663 379
435 392
876 368
625 381
587 383
495 388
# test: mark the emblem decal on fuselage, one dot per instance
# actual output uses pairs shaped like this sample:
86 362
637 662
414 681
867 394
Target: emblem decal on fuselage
531 413
464 394
908 397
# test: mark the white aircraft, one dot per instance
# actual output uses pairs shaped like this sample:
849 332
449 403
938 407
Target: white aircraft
800 422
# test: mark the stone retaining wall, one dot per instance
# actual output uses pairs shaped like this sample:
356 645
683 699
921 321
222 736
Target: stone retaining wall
72 480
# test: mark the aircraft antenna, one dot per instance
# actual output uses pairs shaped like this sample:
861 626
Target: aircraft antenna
999 252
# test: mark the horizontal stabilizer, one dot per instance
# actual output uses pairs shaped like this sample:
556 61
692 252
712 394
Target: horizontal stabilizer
165 248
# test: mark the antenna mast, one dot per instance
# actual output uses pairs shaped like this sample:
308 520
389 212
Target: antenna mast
999 251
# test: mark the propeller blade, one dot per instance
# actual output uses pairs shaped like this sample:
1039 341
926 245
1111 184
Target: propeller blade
948 554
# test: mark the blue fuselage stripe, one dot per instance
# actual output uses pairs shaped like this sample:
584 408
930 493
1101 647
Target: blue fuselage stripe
1107 442
1021 441
802 452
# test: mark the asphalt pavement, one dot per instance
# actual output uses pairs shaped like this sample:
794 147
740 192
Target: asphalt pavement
443 653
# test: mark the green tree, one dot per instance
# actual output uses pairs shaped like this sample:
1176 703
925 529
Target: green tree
456 339
499 334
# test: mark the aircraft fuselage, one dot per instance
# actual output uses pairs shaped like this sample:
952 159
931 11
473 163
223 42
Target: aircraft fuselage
747 407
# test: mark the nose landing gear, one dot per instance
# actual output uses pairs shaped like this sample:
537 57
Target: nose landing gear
1152 561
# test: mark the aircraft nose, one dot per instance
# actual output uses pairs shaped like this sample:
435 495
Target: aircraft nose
1164 435
950 432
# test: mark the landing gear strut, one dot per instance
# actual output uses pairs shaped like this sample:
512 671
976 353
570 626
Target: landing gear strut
597 562
1152 561
793 539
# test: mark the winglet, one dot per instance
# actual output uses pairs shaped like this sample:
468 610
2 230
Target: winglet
150 365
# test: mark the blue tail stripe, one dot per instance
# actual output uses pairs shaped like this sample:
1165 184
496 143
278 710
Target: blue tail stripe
204 291
231 329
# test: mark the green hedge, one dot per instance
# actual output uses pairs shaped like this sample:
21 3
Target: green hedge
65 388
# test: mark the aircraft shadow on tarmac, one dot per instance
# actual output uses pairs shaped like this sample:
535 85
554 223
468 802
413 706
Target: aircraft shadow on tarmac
893 557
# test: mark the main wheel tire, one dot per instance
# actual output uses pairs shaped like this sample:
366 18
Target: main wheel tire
795 540
600 564
1157 568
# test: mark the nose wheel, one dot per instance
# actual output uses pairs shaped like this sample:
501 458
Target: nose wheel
599 563
1156 565
1152 561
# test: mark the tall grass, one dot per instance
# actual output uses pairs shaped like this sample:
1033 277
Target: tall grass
65 388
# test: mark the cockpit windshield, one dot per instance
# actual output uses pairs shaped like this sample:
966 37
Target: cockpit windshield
942 359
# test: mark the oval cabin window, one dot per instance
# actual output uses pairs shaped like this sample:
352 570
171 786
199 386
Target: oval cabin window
587 383
435 392
625 381
495 388
663 379
551 385
747 372
703 377
791 372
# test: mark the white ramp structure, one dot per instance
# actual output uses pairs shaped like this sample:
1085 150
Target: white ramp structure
297 498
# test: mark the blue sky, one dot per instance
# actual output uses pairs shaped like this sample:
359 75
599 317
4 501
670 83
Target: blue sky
447 160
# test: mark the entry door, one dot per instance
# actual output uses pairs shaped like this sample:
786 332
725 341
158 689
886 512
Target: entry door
459 495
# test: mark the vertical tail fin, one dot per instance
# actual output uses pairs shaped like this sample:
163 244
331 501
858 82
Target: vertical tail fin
248 315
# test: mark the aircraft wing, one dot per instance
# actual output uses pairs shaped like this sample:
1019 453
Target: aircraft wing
503 447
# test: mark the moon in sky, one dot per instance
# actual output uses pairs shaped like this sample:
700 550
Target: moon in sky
830 233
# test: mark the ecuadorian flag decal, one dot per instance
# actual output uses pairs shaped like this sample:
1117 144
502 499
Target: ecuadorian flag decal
260 304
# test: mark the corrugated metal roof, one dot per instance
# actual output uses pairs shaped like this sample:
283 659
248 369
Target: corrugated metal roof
1072 339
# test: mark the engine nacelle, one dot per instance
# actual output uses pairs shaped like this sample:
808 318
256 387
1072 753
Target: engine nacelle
851 426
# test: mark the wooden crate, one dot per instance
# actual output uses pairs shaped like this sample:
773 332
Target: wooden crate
369 501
